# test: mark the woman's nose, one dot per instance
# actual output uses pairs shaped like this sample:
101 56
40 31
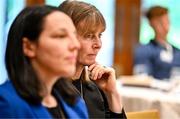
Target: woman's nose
75 44
97 44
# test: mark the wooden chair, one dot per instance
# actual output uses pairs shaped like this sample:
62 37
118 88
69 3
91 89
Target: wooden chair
149 114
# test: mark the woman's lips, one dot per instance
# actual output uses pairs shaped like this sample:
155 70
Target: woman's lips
72 58
92 55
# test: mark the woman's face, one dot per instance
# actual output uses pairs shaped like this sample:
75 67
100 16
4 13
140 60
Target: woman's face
56 51
90 45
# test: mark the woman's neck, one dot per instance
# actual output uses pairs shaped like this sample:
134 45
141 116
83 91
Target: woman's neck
48 80
48 99
79 69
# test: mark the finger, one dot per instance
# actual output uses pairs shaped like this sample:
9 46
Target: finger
90 68
100 74
101 71
95 69
95 72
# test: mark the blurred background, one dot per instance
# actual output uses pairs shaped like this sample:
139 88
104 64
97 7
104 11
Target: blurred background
126 27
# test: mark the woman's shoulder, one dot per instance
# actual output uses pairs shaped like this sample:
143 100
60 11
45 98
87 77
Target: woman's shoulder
13 106
9 102
6 89
9 96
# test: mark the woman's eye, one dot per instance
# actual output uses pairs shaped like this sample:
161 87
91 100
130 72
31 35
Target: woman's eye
62 36
89 36
59 36
100 35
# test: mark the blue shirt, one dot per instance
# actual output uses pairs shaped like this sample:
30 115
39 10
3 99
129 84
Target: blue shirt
150 59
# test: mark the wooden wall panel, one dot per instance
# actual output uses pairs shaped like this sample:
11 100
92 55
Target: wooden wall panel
34 2
127 23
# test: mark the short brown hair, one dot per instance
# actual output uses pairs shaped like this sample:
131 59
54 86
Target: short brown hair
156 11
83 13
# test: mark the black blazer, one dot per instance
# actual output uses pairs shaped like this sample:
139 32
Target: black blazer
95 99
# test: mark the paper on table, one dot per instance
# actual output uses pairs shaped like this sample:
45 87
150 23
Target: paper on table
146 81
136 80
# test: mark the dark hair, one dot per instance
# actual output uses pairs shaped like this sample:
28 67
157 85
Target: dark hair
29 23
81 12
156 11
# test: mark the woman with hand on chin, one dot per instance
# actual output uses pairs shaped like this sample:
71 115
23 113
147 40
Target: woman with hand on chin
96 84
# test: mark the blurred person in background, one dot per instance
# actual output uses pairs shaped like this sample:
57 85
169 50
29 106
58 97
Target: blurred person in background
96 83
157 57
41 49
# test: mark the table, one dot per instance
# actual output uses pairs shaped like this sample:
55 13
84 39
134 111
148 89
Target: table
141 98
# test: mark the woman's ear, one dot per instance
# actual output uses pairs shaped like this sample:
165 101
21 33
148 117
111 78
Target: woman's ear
29 48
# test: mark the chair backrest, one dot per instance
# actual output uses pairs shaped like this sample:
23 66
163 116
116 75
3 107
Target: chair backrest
149 114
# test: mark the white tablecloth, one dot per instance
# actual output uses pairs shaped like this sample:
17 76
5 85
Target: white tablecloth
139 98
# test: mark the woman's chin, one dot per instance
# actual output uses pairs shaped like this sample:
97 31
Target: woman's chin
91 62
70 72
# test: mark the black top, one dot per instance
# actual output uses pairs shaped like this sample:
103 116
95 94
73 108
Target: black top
96 100
55 112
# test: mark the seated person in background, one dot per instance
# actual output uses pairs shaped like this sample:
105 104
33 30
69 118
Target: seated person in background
41 49
96 83
156 58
